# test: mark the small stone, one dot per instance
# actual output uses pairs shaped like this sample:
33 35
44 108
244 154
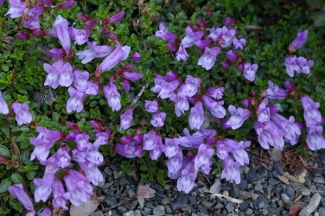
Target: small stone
147 210
321 211
283 179
261 204
219 206
285 197
244 205
314 202
137 213
276 154
122 209
252 177
178 205
234 191
258 187
290 192
230 207
319 180
303 212
243 184
264 212
249 212
129 213
192 199
168 209
165 201
159 211
202 209
133 205
273 181
279 168
111 201
97 213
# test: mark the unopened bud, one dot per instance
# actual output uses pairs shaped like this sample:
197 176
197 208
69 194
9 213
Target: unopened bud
144 11
30 3
140 3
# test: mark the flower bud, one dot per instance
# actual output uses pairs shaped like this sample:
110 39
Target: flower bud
22 36
136 57
66 5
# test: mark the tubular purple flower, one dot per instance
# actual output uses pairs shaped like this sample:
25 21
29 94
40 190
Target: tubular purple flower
215 107
191 37
56 53
209 57
202 44
66 5
239 44
53 73
80 80
94 51
269 134
315 138
136 57
172 47
78 186
171 147
132 76
118 55
174 164
311 114
230 170
156 152
203 158
79 35
151 106
33 14
291 65
17 190
126 119
66 75
216 93
299 41
263 111
22 36
151 140
112 96
23 116
16 9
126 85
44 187
75 102
228 22
231 55
158 119
45 212
187 180
238 116
304 65
61 29
196 117
164 34
4 109
116 18
181 104
92 88
291 129
60 197
274 92
181 54
250 71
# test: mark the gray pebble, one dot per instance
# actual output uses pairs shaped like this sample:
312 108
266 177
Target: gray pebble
284 197
137 213
97 213
249 212
202 209
122 209
244 205
321 211
129 213
159 211
303 212
111 201
261 205
230 207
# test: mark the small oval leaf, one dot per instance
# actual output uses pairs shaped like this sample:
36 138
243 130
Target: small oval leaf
5 184
4 151
17 178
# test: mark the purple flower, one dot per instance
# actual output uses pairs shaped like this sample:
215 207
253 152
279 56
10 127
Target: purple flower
311 114
132 76
65 75
102 138
53 73
17 190
304 65
291 65
126 119
112 96
151 140
4 109
94 51
250 71
158 119
164 34
181 104
81 80
290 128
227 36
181 54
61 158
299 41
75 102
202 44
239 44
22 36
274 92
23 116
128 147
269 134
216 93
228 22
231 55
203 158
209 57
191 37
43 142
92 88
118 55
116 18
56 53
215 107
60 197
237 118
174 163
190 87
196 117
78 186
66 5
156 152
171 147
315 138
226 146
79 35
263 111
230 170
44 187
61 29
136 57
164 88
151 106
187 180
45 212
17 8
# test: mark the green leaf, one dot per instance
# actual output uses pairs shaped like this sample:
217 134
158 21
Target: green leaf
17 178
319 19
5 184
316 3
160 177
4 151
56 116
31 175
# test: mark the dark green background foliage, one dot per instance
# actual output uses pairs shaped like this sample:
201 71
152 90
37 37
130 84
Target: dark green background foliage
268 26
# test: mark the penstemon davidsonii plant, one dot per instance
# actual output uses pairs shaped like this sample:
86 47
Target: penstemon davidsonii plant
169 98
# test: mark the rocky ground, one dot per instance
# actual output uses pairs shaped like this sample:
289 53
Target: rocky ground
276 183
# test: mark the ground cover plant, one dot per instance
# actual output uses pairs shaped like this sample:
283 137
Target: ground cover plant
187 86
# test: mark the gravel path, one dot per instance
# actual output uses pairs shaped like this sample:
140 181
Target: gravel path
272 185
